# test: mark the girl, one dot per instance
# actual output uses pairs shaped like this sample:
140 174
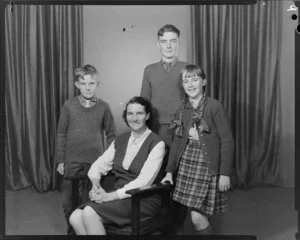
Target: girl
201 152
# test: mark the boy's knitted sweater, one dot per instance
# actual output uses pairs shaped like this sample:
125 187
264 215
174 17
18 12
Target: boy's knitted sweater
81 131
163 89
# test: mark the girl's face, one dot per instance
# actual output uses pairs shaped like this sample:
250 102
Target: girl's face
193 85
136 117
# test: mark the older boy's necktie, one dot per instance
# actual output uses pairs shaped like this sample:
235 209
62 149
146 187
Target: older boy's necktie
167 66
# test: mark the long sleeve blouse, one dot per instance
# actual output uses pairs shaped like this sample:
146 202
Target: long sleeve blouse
148 172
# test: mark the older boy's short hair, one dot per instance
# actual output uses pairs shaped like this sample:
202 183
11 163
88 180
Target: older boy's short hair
168 28
86 70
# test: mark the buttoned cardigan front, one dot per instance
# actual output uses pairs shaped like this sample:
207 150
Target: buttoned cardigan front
217 144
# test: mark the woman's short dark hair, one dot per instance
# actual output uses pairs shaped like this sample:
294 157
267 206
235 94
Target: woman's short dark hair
142 101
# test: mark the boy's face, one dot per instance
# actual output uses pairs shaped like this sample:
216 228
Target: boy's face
168 45
87 86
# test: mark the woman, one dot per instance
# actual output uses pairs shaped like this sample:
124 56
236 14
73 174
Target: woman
201 152
135 158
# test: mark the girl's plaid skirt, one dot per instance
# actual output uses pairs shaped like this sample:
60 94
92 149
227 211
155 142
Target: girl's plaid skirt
195 187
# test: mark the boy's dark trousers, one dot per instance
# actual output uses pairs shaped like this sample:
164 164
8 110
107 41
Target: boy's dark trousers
74 169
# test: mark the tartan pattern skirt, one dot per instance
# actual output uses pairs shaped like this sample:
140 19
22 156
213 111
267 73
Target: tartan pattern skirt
195 187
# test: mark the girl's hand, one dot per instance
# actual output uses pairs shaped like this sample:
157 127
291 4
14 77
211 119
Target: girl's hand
224 183
193 133
168 178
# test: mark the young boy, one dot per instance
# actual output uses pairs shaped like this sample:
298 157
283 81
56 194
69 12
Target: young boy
85 121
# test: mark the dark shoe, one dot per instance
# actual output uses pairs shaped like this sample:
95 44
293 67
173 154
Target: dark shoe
205 231
70 231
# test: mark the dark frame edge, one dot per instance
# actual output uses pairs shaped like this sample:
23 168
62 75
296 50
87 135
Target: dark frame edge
2 121
131 2
297 165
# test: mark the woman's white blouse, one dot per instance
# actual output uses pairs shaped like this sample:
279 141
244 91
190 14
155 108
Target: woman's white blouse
148 172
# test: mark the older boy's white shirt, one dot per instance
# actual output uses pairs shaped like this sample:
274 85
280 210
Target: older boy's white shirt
148 172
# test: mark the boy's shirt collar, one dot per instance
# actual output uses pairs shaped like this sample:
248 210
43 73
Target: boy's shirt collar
168 65
87 103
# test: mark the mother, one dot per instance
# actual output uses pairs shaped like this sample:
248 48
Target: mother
135 158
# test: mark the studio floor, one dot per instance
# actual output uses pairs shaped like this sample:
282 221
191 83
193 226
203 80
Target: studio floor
268 213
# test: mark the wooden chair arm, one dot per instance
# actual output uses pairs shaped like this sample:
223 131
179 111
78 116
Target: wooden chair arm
76 178
151 189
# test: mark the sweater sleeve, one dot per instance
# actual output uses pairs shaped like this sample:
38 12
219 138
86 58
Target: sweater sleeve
173 157
146 86
109 126
226 138
61 135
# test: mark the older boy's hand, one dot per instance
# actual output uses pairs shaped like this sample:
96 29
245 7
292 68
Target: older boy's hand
60 168
224 183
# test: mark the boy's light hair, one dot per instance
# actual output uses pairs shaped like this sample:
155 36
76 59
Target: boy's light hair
86 70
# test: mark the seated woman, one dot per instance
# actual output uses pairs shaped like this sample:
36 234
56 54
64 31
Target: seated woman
135 158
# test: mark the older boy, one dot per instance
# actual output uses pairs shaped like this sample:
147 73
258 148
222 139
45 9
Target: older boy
161 82
85 121
162 86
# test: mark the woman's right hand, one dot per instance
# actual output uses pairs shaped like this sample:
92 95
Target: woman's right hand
168 178
96 185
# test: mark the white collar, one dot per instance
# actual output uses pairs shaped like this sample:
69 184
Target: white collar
139 139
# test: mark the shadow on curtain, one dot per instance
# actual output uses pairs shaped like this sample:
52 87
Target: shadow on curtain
43 44
239 48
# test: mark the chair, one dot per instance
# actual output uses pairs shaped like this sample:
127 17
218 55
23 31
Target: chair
160 223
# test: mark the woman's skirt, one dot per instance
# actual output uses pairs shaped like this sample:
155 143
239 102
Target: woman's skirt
118 212
195 187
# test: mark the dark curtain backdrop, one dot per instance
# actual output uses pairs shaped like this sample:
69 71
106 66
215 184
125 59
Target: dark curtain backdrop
239 48
43 45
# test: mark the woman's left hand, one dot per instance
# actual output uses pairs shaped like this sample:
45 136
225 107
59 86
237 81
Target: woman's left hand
103 196
224 183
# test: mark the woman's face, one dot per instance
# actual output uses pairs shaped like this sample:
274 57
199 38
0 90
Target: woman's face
136 117
193 85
